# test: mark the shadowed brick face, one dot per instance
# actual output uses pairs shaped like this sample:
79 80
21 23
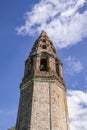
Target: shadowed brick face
43 103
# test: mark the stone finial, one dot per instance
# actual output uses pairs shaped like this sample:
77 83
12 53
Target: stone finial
43 33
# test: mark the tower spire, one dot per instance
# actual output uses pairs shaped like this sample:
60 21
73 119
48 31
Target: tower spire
43 33
44 57
43 103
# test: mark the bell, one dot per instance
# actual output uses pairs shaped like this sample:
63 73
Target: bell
42 67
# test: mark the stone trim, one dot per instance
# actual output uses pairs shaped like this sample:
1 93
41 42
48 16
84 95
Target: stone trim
42 79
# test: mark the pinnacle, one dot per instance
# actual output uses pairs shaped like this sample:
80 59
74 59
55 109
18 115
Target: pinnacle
43 33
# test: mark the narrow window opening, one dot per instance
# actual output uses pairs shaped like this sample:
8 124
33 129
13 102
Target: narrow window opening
57 67
44 47
44 40
43 64
54 50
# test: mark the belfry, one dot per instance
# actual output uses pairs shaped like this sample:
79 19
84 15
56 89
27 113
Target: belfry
43 103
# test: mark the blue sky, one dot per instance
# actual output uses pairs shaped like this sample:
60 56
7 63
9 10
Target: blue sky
21 22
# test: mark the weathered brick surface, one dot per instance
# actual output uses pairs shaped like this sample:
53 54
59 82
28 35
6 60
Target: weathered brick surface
25 108
43 104
40 111
49 107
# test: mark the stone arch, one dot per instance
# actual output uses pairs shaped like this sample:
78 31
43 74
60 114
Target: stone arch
44 62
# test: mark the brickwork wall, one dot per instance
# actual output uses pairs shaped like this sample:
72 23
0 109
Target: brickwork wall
25 108
58 108
43 104
40 110
49 107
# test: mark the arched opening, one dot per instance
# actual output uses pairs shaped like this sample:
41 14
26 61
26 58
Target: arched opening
44 46
57 69
43 40
44 64
54 50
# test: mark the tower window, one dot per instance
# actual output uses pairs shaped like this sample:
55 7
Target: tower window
44 40
43 64
54 50
57 69
44 47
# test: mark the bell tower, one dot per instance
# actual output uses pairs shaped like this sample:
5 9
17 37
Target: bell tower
43 104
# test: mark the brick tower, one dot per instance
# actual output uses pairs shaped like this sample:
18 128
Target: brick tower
43 104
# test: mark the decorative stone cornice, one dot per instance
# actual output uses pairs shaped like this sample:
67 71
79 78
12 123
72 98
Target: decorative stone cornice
43 79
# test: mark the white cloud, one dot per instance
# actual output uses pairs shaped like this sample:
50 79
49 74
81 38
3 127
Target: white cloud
77 103
61 19
73 66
